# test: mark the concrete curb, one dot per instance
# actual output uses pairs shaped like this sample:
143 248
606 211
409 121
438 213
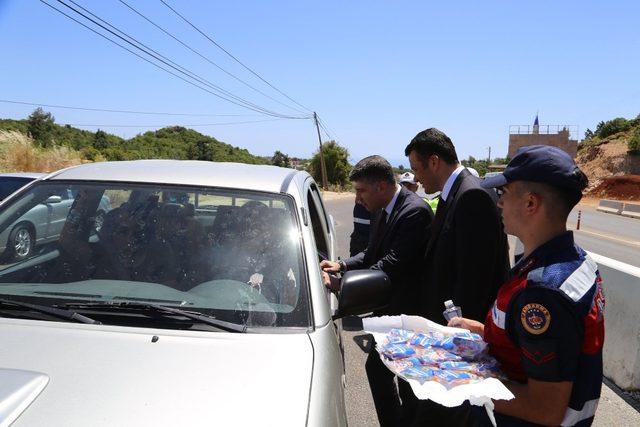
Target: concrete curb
610 206
631 210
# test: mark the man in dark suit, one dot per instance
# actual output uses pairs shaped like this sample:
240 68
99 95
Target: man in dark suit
466 259
397 240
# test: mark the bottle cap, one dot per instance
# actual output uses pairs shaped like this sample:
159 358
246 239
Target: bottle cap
448 304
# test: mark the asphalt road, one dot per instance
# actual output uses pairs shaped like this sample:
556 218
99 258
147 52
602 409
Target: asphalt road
613 236
613 410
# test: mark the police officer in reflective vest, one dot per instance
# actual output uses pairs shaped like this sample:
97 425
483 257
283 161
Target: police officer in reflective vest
546 327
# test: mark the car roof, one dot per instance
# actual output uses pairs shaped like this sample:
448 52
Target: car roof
32 175
183 172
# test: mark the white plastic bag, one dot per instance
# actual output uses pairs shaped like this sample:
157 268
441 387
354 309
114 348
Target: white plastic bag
479 393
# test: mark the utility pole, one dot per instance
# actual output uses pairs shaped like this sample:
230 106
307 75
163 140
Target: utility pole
489 161
325 184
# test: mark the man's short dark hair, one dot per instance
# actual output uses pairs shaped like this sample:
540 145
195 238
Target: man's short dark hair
373 169
433 141
559 201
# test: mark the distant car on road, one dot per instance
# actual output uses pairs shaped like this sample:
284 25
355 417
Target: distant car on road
199 301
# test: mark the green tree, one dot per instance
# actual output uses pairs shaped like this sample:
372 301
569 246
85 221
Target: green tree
588 134
200 150
336 159
100 141
40 126
610 127
280 159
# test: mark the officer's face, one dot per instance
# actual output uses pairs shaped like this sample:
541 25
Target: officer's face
424 173
513 203
369 194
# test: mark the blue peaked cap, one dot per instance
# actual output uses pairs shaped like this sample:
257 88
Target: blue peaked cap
541 163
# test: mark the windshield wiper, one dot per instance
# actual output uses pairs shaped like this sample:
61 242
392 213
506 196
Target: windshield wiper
203 318
53 311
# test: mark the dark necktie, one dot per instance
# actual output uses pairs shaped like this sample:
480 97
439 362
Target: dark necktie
441 211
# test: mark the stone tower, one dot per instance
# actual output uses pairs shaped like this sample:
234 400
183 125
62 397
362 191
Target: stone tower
555 135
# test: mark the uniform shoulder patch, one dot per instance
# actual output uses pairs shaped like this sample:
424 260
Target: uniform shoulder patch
535 318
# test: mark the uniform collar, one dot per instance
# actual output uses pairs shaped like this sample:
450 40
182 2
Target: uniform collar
557 244
449 183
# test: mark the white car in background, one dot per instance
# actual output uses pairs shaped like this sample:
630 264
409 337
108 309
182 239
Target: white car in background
43 223
199 301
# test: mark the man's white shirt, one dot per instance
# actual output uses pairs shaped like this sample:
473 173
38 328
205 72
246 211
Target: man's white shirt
447 185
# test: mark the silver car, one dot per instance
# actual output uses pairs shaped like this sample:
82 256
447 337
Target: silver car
199 301
43 223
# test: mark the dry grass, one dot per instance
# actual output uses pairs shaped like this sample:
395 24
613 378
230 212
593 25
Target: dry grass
18 153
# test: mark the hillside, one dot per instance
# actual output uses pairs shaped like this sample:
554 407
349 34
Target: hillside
174 142
610 157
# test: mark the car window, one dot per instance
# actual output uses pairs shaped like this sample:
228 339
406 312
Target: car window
9 185
318 225
233 254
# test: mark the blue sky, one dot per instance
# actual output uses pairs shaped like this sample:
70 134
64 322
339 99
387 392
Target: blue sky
376 72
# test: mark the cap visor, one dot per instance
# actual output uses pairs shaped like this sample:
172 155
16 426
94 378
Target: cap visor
494 181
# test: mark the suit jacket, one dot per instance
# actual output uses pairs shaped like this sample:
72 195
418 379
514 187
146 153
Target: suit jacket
467 257
397 249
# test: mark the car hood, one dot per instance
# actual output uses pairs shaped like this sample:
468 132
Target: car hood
79 375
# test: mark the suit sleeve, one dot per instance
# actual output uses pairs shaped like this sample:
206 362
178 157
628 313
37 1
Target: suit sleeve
356 262
479 235
409 237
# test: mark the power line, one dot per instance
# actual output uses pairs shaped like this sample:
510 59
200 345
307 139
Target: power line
206 58
151 113
259 109
159 57
327 130
233 57
164 125
157 54
134 53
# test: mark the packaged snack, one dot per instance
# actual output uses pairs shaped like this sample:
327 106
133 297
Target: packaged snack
458 366
397 351
399 336
423 340
400 365
446 343
454 378
420 373
489 369
469 348
434 355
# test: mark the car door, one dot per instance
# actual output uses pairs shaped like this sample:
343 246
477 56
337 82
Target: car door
323 232
323 229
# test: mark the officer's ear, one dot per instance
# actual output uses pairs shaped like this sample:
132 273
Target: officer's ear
533 202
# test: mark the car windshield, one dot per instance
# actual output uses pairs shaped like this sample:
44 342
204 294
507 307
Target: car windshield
9 185
230 254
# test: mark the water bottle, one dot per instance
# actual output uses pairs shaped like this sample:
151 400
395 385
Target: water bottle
451 310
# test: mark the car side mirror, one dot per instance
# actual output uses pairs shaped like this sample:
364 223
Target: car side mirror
53 199
363 291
